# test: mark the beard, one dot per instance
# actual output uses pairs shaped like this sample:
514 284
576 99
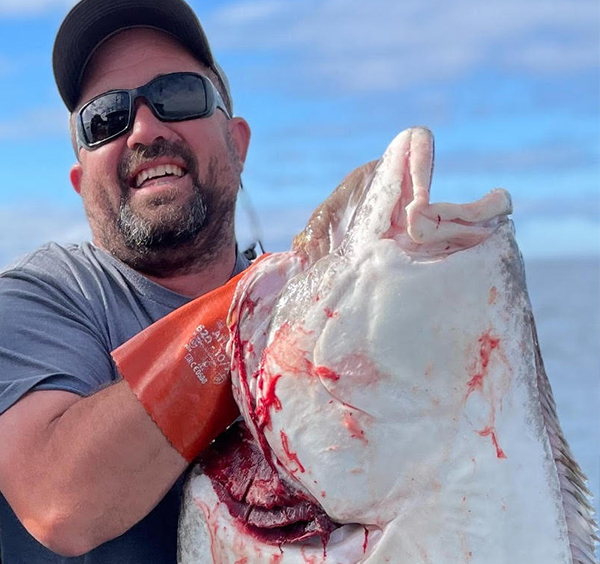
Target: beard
167 238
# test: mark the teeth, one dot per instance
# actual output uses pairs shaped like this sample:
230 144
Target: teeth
156 172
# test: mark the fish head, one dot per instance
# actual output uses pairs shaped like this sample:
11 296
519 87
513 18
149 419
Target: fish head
315 346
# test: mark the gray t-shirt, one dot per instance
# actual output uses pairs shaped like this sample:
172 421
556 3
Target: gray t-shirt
62 311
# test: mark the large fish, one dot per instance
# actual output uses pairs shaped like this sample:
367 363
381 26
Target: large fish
395 404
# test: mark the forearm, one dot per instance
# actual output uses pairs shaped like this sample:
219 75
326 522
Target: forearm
100 466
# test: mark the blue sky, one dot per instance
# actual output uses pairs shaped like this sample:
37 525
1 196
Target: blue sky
509 88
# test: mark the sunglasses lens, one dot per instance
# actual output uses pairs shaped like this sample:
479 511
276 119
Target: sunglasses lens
179 96
173 97
105 117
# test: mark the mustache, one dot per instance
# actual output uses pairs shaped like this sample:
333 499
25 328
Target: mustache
142 154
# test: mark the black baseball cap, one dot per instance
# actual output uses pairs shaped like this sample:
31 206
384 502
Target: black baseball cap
91 22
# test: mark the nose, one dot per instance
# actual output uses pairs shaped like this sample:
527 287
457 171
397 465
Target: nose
147 128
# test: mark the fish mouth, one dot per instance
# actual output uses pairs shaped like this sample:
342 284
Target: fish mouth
265 506
265 511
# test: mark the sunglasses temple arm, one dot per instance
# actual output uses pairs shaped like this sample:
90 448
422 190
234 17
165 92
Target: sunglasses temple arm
221 104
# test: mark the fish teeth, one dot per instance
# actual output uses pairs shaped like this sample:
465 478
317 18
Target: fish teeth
158 171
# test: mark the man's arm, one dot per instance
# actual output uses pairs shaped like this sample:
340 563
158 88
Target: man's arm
78 466
80 471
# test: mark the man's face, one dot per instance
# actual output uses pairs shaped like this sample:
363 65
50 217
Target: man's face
160 197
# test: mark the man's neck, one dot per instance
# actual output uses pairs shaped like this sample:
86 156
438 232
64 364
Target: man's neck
194 284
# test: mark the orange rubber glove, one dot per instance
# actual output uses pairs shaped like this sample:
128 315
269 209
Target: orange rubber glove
180 372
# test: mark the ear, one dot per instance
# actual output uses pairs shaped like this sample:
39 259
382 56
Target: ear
76 175
240 134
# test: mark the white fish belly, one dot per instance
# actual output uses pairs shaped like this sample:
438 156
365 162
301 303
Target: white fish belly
433 431
395 381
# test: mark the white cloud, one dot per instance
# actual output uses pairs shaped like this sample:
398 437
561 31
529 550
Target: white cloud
547 156
565 236
31 7
25 227
386 44
36 122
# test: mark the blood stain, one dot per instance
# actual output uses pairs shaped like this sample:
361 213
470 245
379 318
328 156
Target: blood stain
290 454
489 431
324 372
269 399
487 344
354 427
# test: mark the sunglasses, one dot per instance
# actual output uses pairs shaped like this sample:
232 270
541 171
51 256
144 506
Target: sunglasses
178 96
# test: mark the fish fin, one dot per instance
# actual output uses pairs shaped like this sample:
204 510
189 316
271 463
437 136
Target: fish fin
581 525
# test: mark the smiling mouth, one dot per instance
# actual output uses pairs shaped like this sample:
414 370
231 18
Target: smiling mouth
149 175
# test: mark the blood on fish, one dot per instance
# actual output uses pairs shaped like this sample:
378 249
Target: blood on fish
354 427
248 306
489 431
291 455
244 383
267 400
330 313
286 351
366 541
312 559
276 558
211 522
291 359
326 373
487 344
238 357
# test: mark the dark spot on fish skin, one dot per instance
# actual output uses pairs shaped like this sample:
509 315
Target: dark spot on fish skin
439 220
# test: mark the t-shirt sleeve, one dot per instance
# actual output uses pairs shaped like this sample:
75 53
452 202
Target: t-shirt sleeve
48 341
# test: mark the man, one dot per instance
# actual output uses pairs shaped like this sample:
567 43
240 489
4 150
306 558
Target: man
84 470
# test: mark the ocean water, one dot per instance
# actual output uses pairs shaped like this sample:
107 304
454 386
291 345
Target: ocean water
565 295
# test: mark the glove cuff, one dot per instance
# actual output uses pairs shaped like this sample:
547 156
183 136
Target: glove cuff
179 370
